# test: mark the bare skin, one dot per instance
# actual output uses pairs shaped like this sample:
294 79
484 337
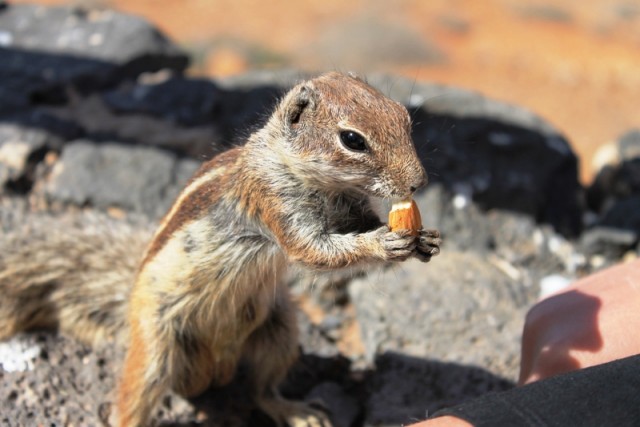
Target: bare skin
585 325
446 421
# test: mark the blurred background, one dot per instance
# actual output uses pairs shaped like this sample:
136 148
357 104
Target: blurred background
576 63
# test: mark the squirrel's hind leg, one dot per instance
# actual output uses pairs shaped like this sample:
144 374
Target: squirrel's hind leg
142 382
171 359
270 351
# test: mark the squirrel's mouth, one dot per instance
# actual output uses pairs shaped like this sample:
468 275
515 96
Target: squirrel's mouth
389 192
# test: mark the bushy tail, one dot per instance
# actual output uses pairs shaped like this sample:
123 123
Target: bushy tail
70 273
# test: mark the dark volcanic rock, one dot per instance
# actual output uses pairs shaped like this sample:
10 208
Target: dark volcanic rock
617 181
139 179
614 182
185 101
614 196
64 129
46 49
233 107
498 163
98 122
624 214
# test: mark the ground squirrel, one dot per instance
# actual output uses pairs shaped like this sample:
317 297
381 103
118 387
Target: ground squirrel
208 293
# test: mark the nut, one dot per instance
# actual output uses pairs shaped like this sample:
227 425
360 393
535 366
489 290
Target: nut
405 215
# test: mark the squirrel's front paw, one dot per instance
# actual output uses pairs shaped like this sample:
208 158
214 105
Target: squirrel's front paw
397 245
428 244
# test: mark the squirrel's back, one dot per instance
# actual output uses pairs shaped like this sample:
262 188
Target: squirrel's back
71 273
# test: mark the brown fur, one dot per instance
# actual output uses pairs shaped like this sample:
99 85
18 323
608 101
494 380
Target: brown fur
209 292
72 274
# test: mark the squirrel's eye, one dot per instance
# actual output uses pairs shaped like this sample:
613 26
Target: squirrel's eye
353 140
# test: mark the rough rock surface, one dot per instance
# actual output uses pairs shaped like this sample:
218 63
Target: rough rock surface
393 306
136 179
43 375
98 131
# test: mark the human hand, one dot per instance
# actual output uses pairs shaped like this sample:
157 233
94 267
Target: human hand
585 325
444 421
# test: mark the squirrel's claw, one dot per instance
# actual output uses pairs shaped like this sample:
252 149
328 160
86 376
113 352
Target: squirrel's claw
428 245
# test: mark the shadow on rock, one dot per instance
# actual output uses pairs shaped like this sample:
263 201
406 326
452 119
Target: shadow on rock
400 390
234 406
403 389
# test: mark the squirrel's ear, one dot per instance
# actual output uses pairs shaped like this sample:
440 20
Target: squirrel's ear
301 101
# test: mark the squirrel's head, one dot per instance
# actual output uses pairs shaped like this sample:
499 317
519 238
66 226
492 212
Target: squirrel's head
340 133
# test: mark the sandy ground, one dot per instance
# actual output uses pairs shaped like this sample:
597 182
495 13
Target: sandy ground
575 63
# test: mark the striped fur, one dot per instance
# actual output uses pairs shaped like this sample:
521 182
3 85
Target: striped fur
72 273
209 292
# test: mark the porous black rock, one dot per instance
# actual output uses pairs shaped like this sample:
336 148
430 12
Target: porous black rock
177 99
232 107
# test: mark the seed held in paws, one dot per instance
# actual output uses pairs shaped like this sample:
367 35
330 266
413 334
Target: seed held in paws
405 215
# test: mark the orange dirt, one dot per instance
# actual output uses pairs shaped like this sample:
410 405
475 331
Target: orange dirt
575 63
